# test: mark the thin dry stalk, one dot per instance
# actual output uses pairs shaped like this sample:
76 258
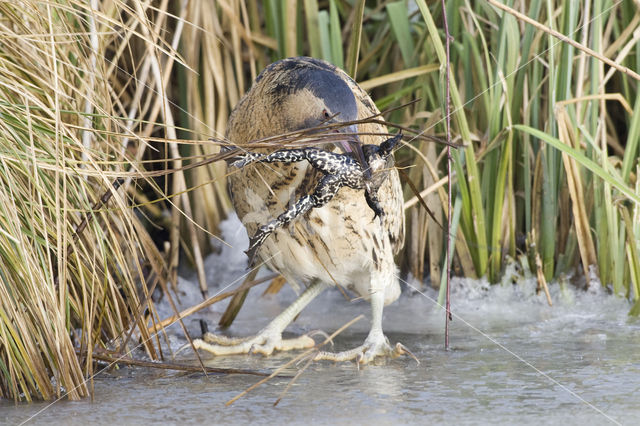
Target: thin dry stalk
113 360
448 37
542 281
275 286
293 380
576 191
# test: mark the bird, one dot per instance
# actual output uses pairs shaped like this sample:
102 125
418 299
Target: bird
333 244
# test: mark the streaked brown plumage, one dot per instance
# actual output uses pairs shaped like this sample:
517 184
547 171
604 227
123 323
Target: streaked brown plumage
337 243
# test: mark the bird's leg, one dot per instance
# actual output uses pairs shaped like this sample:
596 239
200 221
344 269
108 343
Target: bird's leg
324 192
375 345
269 338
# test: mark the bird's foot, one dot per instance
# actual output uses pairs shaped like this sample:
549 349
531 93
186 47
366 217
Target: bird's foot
246 158
239 163
255 243
265 343
376 345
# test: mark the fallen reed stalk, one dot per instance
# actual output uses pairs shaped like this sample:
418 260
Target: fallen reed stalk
173 366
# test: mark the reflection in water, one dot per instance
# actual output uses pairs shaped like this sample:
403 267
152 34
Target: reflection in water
585 342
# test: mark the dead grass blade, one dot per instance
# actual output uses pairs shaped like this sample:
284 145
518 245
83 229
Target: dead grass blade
164 365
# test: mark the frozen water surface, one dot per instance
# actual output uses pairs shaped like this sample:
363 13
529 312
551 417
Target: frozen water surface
513 360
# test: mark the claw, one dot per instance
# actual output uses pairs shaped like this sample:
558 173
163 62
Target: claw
251 254
255 243
241 162
180 349
265 349
320 333
246 158
401 349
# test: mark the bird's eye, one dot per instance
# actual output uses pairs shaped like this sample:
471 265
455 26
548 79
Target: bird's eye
326 113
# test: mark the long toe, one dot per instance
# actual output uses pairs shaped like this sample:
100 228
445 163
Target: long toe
301 342
366 353
217 349
264 343
218 339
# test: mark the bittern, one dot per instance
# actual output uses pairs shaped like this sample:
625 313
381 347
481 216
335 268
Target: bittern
335 242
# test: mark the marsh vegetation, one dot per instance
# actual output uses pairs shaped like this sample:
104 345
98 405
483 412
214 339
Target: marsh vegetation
100 90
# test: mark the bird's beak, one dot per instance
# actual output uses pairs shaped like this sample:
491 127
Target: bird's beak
354 146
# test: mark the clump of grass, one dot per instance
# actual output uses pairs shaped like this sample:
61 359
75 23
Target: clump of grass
64 294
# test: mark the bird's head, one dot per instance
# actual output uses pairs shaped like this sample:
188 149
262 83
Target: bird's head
310 93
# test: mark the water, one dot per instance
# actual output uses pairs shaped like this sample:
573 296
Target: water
513 360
